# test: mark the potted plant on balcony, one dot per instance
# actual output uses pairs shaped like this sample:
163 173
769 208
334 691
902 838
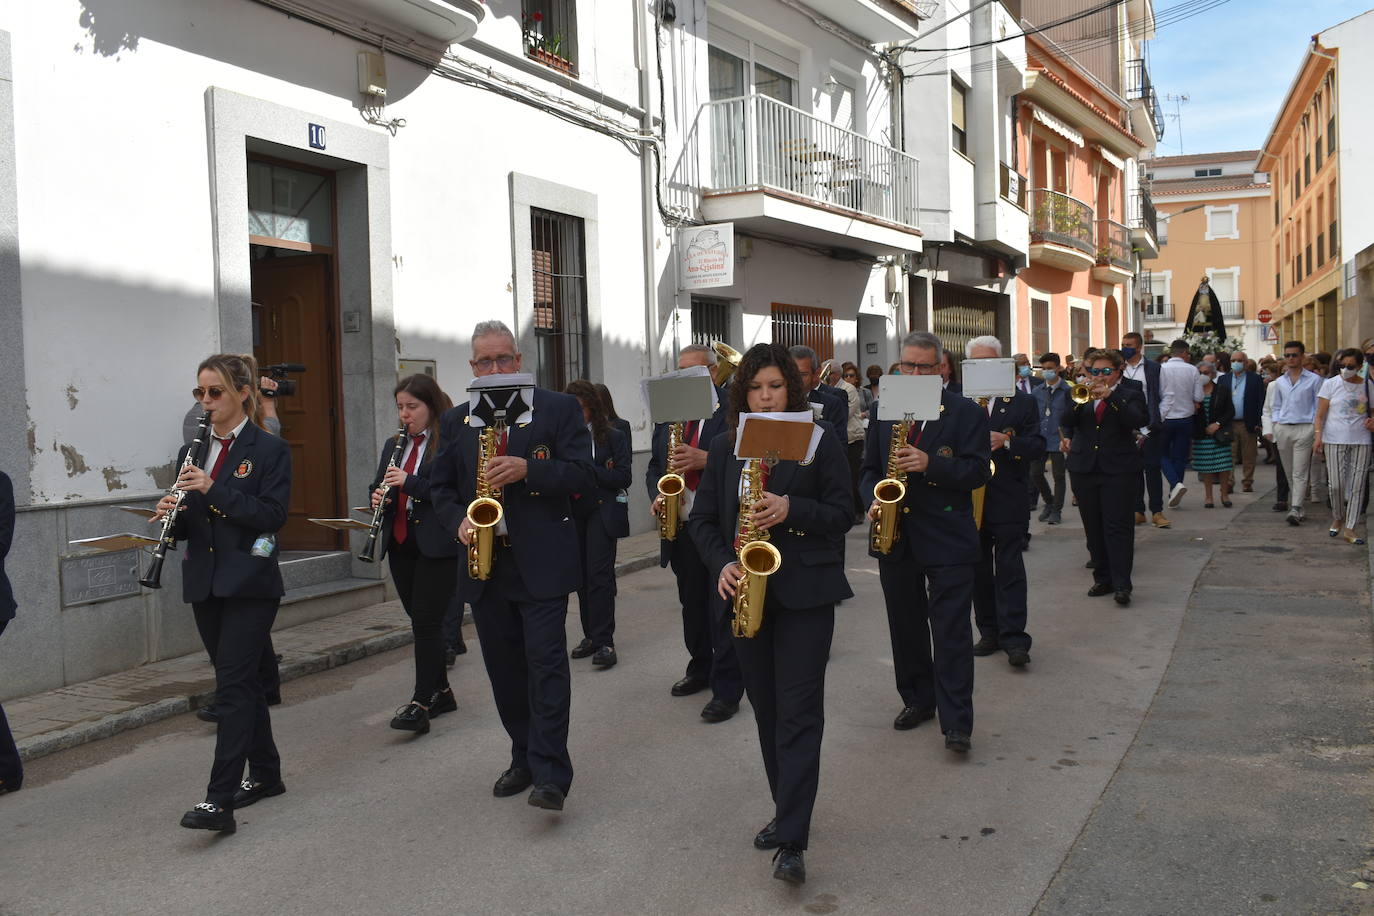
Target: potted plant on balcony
544 48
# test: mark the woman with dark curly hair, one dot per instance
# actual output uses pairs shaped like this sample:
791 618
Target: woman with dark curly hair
807 507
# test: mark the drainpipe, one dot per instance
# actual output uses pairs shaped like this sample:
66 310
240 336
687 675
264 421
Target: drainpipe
647 188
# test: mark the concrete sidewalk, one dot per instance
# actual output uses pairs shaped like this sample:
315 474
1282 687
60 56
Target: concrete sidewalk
58 719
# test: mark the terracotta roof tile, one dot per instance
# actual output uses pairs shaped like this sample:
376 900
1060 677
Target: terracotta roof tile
1164 162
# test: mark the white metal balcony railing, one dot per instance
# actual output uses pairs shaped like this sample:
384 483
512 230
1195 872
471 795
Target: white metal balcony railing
756 143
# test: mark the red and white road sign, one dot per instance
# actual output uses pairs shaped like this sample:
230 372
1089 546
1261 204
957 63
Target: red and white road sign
1265 316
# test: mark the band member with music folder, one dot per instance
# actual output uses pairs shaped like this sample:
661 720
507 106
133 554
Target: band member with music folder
711 659
928 576
521 609
999 596
233 508
803 506
420 550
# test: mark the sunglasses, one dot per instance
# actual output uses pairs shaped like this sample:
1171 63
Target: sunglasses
1292 356
1105 370
215 393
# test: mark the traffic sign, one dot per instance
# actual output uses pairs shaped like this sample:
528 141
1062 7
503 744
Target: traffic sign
1265 316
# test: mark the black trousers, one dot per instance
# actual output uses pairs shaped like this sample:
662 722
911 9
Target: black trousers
1152 478
235 632
1104 503
916 621
596 597
855 453
11 767
1282 476
524 647
999 594
1054 499
453 622
426 586
705 623
784 675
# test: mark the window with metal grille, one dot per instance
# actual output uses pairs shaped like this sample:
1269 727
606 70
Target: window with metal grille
550 30
804 325
1080 323
710 320
1309 260
958 104
1331 134
558 258
1321 248
1040 327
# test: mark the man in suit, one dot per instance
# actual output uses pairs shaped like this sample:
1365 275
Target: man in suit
927 578
1026 380
11 768
1145 372
1246 391
711 659
834 405
1051 403
1103 465
521 609
999 597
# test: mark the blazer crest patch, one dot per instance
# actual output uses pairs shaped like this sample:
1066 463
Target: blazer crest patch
540 453
609 464
244 469
945 451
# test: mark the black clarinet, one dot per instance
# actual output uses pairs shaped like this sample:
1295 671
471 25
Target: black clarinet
195 457
369 554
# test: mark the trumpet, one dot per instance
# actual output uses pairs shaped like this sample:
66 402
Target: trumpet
727 361
195 457
485 511
369 551
671 487
758 558
1080 393
889 493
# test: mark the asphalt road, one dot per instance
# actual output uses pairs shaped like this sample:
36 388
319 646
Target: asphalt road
664 806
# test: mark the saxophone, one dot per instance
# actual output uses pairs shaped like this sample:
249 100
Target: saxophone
758 558
889 492
485 510
670 487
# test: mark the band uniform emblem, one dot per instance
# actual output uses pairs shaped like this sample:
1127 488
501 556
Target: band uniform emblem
610 463
942 408
244 469
1006 400
945 451
540 453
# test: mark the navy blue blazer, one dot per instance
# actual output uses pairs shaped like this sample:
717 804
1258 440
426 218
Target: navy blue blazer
538 509
611 465
7 603
431 537
834 404
1107 446
1008 495
658 459
250 498
937 514
1252 398
820 511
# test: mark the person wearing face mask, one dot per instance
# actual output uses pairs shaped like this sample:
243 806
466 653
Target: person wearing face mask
1245 388
1149 438
1342 435
1211 456
1026 379
1052 403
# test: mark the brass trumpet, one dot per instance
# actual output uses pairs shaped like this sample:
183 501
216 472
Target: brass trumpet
727 361
671 487
1080 393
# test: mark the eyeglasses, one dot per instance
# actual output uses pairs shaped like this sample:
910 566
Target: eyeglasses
215 393
501 362
913 368
1104 370
1292 356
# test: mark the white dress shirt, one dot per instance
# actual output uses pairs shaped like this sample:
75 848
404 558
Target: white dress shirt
1180 389
215 447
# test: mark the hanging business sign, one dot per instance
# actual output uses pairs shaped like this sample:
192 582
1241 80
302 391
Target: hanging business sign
706 256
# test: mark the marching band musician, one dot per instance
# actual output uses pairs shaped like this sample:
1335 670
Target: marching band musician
805 506
421 551
945 461
1104 468
705 620
520 612
999 596
233 508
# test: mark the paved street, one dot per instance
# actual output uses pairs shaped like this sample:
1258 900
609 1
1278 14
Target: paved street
1204 751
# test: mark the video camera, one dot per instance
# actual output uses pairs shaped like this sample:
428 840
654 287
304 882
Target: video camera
278 372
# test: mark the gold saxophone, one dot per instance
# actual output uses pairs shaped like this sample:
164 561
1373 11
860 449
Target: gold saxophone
758 558
889 493
485 511
670 487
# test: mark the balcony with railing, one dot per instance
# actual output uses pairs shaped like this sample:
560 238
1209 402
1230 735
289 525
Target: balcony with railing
1114 261
757 161
1155 312
1232 308
1143 223
1061 231
1147 118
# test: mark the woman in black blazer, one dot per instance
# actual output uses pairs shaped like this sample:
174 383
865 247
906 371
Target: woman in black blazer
234 506
615 419
602 517
422 555
807 507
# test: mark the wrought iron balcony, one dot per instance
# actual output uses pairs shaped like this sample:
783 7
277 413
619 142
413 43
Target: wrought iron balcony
1140 89
1142 215
1158 312
1113 244
1233 308
1062 220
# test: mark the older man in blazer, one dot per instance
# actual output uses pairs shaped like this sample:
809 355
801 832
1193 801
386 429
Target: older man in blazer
1245 390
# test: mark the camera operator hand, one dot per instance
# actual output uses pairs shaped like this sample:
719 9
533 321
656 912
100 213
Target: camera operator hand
268 402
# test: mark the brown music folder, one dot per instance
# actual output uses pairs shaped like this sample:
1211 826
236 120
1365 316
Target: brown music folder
785 440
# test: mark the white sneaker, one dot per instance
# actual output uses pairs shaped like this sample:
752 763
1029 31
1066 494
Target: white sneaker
1176 495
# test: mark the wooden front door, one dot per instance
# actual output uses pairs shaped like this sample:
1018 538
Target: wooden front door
294 314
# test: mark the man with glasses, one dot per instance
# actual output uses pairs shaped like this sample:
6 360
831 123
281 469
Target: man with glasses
928 576
1292 410
1245 388
834 406
1180 393
521 610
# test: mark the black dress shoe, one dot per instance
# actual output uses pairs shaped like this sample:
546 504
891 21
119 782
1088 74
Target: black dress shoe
273 699
10 785
1279 506
206 816
985 646
1090 565
450 658
788 865
688 686
512 782
582 649
207 714
910 717
547 796
957 742
1122 596
442 702
605 657
1099 589
250 792
767 838
1018 658
718 710
411 717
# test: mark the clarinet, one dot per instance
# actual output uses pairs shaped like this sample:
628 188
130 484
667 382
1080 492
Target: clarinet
369 554
195 457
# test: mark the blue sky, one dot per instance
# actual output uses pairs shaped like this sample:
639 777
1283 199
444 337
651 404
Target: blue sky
1234 62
